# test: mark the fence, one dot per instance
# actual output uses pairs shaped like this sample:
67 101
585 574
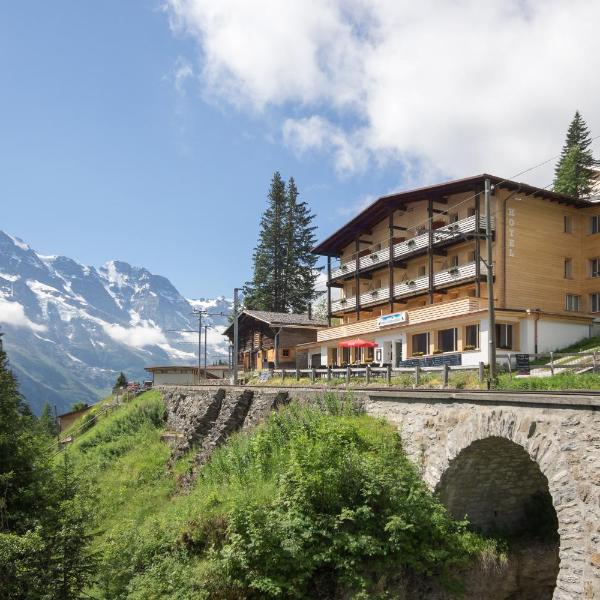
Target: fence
551 363
369 373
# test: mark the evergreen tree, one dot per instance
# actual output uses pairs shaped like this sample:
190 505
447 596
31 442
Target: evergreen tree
301 272
264 292
573 174
70 564
121 380
284 267
44 518
47 422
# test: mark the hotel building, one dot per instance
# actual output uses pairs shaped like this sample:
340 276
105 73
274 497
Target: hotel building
412 278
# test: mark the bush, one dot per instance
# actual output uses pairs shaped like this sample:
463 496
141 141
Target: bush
319 501
349 509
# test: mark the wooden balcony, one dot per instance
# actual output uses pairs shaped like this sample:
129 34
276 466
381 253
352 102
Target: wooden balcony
449 234
405 289
433 312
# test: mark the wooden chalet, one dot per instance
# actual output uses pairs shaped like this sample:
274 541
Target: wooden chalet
269 339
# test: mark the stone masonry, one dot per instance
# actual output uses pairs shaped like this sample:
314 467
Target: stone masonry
483 453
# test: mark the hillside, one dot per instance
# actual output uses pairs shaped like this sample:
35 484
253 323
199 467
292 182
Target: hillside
316 503
70 328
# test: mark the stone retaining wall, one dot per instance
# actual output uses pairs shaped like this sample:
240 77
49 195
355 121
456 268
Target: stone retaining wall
484 454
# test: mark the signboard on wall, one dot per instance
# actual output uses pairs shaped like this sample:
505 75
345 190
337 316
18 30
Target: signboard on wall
523 366
393 319
437 360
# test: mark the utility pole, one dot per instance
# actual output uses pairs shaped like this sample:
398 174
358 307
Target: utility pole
199 314
490 283
205 330
235 335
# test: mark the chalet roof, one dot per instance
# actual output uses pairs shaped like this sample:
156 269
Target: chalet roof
279 319
379 210
167 368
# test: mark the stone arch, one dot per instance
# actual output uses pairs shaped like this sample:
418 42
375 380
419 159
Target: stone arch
532 442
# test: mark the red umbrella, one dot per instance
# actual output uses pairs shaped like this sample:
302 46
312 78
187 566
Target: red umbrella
357 343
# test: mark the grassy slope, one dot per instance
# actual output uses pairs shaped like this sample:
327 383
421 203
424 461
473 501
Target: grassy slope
153 540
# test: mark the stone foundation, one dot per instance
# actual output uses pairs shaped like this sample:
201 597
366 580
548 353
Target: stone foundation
484 454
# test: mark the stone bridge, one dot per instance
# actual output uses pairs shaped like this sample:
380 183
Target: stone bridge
493 457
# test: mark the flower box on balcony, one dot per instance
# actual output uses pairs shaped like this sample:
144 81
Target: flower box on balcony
453 271
438 351
343 301
418 353
375 293
374 256
470 347
411 243
411 283
344 267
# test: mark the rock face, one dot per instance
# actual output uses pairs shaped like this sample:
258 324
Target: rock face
71 328
206 416
487 457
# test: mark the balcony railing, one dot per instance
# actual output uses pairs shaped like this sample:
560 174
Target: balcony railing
412 246
409 288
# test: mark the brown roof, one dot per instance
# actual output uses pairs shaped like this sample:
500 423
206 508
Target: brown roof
379 210
187 368
279 319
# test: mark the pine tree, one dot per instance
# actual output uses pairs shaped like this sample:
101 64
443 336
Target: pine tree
284 267
121 380
47 422
573 174
302 275
265 292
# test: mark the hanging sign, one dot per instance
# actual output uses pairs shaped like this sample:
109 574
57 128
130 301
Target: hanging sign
393 319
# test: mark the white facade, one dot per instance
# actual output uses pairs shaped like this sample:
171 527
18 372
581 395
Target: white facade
174 378
392 346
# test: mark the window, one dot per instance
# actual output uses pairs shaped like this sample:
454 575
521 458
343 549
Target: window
594 267
453 261
471 212
568 268
573 303
420 343
471 337
568 224
452 217
595 224
285 353
422 271
595 302
471 255
345 356
504 336
447 340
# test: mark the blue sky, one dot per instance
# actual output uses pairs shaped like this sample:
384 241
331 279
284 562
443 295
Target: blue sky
103 159
148 131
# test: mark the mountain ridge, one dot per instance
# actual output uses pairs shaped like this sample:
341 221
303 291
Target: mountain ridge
70 328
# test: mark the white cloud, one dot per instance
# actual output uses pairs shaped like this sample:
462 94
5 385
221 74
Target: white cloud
12 313
182 72
447 88
139 336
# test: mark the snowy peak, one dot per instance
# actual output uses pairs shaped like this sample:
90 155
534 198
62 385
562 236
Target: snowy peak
84 325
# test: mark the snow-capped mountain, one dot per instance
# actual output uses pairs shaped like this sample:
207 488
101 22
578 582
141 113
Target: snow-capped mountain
69 328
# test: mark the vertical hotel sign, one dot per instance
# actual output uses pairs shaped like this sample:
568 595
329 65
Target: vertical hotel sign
511 215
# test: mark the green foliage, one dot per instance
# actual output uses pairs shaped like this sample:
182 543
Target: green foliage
47 423
561 381
284 266
573 174
317 501
78 406
44 515
121 380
